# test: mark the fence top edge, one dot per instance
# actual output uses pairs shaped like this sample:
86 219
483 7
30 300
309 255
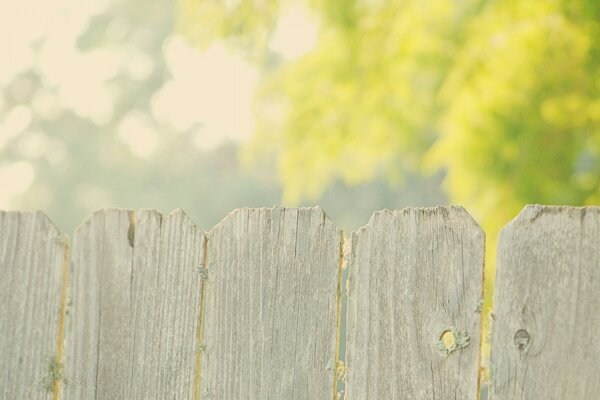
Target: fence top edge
236 211
530 213
451 210
46 220
178 212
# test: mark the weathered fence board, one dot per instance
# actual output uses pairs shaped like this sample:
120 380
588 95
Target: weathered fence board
32 260
134 319
546 302
414 296
148 306
270 311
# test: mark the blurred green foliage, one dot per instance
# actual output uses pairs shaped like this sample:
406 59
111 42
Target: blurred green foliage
501 95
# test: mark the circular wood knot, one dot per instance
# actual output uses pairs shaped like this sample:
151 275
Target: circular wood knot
521 339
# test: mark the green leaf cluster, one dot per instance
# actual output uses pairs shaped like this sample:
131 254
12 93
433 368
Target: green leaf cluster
501 95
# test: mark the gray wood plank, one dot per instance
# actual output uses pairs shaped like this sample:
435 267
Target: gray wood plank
32 266
269 329
133 325
546 302
415 274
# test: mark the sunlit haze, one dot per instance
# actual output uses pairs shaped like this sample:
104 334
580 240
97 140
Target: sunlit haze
210 91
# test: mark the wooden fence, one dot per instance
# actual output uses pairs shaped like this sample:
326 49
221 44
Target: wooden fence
280 304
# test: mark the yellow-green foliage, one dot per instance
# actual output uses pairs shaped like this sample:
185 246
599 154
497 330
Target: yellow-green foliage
503 95
245 24
521 116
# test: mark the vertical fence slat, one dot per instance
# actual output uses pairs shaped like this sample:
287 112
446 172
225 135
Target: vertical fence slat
415 274
546 302
136 293
271 303
32 258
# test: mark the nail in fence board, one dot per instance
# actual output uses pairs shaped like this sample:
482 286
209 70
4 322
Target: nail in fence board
132 329
271 304
415 274
546 302
32 258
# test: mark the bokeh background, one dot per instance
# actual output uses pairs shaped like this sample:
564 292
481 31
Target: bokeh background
356 105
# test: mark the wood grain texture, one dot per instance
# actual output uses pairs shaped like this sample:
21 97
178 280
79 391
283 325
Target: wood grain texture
271 302
413 274
132 331
546 302
32 256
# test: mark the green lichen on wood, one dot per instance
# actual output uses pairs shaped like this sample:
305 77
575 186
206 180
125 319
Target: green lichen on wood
54 373
451 340
203 271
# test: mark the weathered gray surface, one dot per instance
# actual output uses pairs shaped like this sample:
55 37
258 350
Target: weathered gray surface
132 331
32 256
413 274
270 311
546 306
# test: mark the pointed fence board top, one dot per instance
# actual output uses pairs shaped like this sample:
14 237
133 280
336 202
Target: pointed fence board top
134 314
546 302
414 305
144 305
271 306
32 267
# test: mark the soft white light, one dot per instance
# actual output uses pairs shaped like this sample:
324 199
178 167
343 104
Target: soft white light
135 131
25 21
15 178
15 122
45 104
140 66
295 33
33 145
214 89
79 76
